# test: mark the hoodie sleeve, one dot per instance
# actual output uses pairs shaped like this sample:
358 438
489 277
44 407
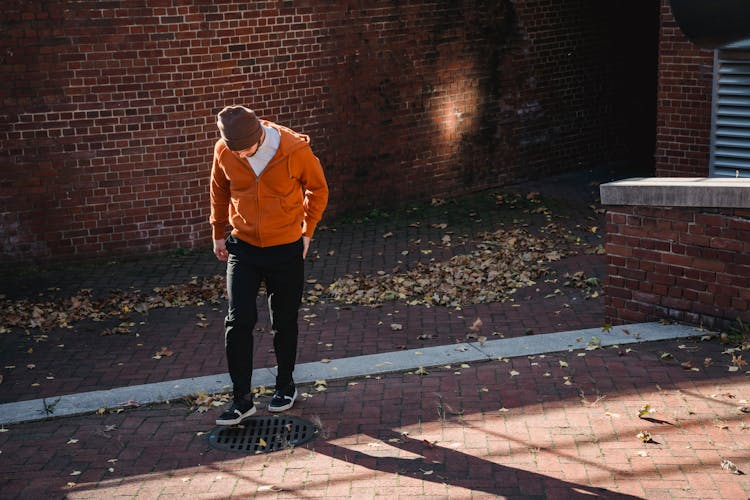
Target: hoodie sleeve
315 189
220 198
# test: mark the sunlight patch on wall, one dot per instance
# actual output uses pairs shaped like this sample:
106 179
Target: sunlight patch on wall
453 109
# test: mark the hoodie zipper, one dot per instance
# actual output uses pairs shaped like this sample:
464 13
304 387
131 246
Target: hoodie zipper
257 201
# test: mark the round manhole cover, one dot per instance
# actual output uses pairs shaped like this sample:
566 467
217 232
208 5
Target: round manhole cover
263 434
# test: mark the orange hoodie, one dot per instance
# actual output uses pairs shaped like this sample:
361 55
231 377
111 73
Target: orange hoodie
283 203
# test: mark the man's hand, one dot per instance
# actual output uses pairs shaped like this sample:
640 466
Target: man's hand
305 245
220 250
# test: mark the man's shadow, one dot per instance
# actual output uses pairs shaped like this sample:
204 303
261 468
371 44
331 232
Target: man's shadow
447 466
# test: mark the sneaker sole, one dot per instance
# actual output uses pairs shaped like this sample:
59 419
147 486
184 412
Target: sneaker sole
235 421
276 409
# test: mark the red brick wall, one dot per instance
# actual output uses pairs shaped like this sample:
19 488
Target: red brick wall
683 123
108 106
686 264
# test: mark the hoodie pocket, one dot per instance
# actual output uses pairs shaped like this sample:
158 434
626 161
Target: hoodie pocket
245 213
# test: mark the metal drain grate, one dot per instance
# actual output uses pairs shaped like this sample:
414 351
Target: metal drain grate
263 434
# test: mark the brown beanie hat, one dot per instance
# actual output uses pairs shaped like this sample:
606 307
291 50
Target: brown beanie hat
239 127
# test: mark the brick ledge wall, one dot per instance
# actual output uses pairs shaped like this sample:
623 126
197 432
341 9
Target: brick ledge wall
678 249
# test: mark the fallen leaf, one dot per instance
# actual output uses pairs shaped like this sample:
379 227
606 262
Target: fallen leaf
646 410
730 466
738 361
269 487
477 325
164 352
645 436
594 343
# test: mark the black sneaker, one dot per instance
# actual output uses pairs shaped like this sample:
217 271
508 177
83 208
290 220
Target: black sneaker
283 399
236 413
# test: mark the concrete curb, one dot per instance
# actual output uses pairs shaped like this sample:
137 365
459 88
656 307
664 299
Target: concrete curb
358 366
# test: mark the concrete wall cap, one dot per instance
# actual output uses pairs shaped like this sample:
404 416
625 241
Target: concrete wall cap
721 192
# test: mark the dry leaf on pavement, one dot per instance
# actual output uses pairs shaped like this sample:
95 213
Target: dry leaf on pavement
477 325
164 352
730 466
645 410
645 437
269 487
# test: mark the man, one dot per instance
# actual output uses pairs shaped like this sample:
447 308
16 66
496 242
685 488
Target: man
270 187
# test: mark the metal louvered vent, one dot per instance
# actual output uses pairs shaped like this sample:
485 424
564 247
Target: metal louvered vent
263 435
730 121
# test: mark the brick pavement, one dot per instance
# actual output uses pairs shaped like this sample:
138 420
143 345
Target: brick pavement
527 427
79 359
521 428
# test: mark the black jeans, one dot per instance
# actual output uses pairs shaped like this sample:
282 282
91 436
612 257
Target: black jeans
282 269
